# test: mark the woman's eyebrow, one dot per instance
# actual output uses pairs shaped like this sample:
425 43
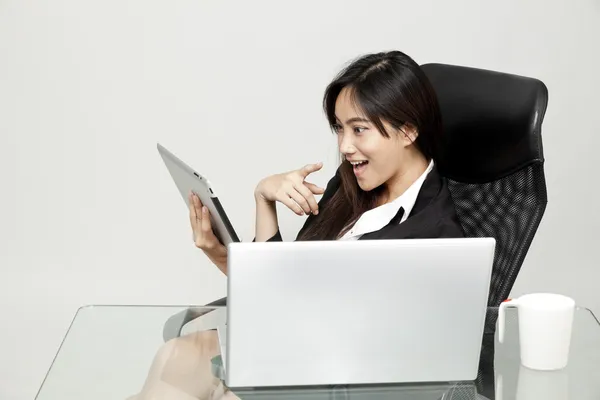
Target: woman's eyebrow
357 119
353 119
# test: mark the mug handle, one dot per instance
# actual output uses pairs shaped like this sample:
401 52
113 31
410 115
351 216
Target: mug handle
501 316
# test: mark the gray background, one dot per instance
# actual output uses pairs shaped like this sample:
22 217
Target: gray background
89 214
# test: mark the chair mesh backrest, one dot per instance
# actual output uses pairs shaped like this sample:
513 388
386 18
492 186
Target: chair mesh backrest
509 209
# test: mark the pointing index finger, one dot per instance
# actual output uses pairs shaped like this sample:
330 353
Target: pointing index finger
310 168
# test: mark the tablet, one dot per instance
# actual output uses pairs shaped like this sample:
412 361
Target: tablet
187 180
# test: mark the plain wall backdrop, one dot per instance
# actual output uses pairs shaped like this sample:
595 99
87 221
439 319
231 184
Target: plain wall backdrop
88 212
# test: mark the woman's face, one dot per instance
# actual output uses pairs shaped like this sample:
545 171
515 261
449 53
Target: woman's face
376 159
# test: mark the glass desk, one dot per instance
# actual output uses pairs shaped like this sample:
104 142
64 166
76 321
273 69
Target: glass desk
118 352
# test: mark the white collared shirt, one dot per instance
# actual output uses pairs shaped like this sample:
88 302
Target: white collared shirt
378 217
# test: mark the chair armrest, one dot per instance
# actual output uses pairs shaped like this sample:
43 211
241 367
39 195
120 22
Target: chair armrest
174 325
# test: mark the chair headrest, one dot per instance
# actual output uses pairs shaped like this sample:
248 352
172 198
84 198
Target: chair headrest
492 121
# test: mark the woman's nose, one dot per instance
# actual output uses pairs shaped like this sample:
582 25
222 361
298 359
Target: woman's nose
346 146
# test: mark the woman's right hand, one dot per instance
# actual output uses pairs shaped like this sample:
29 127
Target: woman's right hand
290 189
204 237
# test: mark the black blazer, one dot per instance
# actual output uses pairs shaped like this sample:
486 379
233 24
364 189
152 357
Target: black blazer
433 215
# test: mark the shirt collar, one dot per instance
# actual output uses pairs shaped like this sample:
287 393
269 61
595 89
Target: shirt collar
378 217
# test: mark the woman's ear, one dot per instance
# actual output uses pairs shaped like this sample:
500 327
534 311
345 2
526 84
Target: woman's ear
409 134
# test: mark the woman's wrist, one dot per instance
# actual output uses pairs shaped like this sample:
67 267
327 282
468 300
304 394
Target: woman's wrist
260 200
259 196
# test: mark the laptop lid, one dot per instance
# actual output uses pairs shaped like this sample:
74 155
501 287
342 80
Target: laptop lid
360 312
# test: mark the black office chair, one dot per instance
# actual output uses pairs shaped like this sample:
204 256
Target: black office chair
493 160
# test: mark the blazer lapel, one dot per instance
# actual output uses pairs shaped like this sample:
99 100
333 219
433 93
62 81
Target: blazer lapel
417 218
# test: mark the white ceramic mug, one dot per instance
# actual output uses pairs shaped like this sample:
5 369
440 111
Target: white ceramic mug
545 325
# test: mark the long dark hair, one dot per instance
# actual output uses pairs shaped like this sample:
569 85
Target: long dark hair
387 87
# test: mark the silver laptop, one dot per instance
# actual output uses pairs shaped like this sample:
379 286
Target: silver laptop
356 312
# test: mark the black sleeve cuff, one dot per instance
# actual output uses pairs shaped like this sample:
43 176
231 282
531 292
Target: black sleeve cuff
276 238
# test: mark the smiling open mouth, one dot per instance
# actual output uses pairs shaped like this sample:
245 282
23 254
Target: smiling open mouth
359 166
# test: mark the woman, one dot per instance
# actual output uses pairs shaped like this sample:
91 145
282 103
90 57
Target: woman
388 124
387 120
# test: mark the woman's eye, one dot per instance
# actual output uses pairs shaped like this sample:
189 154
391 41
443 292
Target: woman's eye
359 129
337 128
